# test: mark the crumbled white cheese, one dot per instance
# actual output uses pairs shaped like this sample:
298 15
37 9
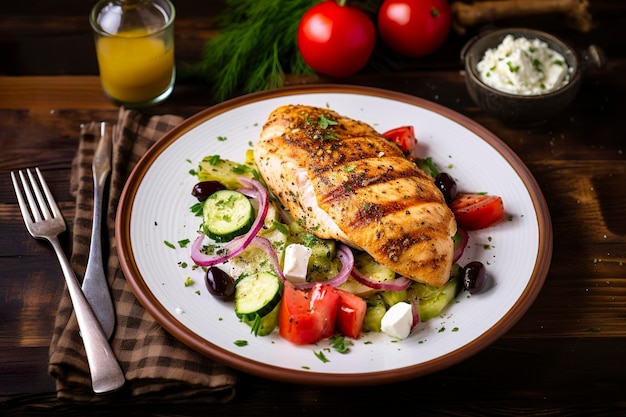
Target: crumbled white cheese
179 310
296 262
523 66
398 320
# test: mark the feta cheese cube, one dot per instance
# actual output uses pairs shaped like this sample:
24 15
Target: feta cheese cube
398 320
296 262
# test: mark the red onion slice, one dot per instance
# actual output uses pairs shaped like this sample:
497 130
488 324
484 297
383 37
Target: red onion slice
345 255
255 190
265 245
398 284
458 250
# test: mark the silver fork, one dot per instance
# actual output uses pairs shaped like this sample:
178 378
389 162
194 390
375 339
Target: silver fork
44 220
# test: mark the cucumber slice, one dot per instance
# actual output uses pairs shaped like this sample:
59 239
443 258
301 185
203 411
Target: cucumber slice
262 326
376 309
322 263
257 295
394 297
252 259
366 264
213 168
227 214
433 300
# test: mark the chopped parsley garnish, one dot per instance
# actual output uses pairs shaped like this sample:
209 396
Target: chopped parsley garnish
326 136
317 129
169 244
196 209
241 343
320 355
512 68
324 123
281 227
309 240
256 325
213 159
240 169
340 344
427 166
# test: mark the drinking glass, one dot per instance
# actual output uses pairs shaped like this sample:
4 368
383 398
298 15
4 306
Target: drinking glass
135 48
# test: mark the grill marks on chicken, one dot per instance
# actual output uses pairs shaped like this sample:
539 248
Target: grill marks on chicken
342 180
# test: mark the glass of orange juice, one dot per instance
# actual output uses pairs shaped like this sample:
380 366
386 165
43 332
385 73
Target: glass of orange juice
135 48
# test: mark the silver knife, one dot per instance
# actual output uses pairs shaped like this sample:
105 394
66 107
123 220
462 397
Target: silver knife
95 284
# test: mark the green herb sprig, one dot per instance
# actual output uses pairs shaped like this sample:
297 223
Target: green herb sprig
256 46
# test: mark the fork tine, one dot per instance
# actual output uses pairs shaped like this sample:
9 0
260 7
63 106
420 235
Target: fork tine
41 202
49 202
27 186
26 214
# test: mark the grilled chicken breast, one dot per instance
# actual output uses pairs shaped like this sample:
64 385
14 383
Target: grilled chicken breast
343 180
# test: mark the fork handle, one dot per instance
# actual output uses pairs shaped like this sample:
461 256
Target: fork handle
106 373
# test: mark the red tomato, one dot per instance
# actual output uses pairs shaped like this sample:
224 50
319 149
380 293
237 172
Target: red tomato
336 40
476 211
414 28
403 136
307 317
351 313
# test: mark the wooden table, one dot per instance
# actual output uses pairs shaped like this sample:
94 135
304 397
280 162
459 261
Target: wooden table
566 356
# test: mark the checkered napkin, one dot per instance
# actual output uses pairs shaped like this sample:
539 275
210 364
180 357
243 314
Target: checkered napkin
157 366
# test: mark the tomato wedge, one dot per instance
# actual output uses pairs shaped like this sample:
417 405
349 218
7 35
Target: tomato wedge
350 315
477 211
403 136
307 317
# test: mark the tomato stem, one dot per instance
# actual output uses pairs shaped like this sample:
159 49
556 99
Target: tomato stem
341 3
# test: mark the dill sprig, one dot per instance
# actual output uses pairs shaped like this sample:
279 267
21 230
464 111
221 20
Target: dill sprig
256 46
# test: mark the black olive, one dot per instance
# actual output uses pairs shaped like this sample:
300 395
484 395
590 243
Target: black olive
474 276
447 186
204 189
219 283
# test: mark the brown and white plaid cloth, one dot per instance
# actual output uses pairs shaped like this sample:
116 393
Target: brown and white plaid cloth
157 366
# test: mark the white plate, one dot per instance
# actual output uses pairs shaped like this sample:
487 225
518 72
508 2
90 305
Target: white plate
155 208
